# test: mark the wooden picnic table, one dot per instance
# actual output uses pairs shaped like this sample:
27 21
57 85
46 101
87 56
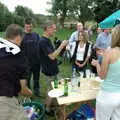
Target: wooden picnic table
87 91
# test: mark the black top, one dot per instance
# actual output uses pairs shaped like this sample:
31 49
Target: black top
49 67
29 47
75 52
12 69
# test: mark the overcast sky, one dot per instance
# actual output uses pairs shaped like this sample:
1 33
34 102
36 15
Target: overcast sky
37 6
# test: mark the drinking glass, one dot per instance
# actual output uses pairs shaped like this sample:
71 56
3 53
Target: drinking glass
88 73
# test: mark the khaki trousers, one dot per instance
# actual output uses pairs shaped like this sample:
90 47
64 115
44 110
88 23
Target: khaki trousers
10 109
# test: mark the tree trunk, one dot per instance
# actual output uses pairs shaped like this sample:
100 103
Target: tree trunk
61 21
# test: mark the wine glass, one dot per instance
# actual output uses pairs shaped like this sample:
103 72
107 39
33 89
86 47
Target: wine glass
88 73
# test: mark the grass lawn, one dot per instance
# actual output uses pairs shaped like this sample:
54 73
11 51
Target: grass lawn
65 68
1 34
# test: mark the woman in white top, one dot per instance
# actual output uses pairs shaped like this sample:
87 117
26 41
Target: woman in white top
80 52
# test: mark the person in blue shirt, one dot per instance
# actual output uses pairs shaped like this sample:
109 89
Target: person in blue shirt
108 98
48 58
29 48
75 35
103 42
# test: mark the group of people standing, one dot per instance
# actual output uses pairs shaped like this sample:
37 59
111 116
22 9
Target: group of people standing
24 53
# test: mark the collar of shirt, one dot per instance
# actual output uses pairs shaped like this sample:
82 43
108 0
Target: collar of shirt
9 46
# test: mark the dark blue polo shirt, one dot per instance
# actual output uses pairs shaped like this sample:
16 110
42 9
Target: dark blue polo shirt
29 47
49 67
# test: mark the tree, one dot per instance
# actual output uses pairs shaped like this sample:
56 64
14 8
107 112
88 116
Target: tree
79 10
103 9
5 17
18 20
23 11
60 9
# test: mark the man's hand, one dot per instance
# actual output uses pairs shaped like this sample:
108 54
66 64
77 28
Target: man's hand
53 55
25 91
64 44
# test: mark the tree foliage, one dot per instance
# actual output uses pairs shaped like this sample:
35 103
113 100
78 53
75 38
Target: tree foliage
18 16
79 10
84 10
60 9
5 17
103 8
24 11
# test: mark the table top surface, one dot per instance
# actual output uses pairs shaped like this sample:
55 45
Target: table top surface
87 91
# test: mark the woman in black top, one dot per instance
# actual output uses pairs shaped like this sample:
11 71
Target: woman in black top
80 52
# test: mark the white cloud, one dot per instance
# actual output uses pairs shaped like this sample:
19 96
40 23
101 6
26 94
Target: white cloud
37 6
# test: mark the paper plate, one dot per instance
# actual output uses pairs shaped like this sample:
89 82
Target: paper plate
55 93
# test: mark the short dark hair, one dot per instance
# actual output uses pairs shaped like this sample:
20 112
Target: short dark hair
13 30
47 24
29 20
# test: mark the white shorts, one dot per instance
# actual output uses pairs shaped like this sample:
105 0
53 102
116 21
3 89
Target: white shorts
108 106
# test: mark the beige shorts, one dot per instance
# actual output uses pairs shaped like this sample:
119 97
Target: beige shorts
10 109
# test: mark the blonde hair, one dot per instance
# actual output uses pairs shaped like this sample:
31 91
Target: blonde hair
85 36
116 36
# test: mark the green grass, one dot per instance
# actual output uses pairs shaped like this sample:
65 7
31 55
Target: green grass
1 34
62 34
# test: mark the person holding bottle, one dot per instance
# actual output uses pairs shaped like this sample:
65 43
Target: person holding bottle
48 58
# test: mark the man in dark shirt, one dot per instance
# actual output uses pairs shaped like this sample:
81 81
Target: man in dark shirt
13 72
48 56
29 47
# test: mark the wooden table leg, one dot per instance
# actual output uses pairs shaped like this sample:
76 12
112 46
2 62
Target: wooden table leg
62 112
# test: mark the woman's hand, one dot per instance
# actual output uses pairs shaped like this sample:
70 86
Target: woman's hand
79 65
100 52
94 62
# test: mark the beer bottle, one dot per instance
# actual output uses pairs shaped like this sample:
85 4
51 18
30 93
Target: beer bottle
65 88
55 82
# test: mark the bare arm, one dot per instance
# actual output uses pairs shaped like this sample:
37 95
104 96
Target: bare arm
86 60
103 69
25 91
53 55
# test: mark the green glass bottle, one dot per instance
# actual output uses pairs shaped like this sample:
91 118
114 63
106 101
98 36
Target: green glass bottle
56 82
65 88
